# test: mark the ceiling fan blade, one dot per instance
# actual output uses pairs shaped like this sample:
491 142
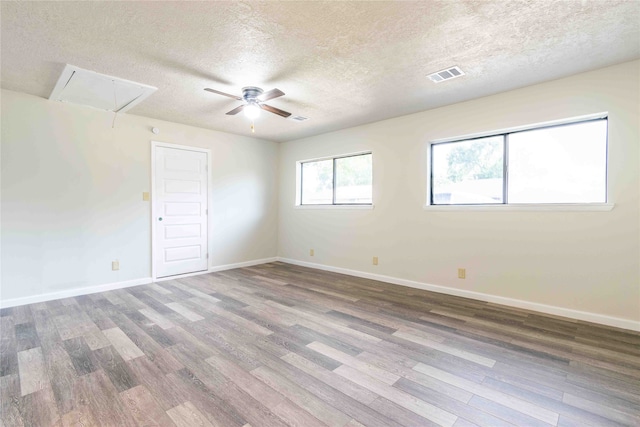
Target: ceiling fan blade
236 110
273 93
223 94
275 110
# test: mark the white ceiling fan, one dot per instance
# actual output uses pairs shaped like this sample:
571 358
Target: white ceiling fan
254 99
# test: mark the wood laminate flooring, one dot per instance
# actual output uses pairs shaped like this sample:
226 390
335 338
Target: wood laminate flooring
277 345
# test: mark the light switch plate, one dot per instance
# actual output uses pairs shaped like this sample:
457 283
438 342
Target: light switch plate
115 265
145 196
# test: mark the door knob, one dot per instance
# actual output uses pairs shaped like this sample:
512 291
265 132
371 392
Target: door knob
160 219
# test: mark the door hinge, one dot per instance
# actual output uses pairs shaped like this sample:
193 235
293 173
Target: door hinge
207 255
206 211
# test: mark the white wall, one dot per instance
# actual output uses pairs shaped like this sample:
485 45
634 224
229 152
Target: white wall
71 191
586 261
72 195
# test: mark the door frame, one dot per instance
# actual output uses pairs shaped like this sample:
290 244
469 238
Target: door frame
154 145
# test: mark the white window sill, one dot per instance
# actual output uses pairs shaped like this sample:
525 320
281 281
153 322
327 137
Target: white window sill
558 207
356 207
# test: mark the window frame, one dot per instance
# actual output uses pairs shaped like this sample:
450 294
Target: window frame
505 205
333 204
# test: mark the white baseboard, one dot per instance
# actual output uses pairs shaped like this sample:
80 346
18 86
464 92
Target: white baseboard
534 306
543 308
242 264
180 276
220 268
67 293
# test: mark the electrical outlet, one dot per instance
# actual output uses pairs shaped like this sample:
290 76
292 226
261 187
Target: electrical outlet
115 265
145 196
462 273
375 260
311 252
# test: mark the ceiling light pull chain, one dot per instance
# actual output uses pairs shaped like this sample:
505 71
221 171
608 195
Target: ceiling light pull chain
253 129
115 105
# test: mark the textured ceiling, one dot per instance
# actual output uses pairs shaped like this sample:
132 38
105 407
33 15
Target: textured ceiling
340 63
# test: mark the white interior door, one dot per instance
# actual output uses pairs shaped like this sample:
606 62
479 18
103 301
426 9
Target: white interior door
180 207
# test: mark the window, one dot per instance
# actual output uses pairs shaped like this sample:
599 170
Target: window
345 180
553 164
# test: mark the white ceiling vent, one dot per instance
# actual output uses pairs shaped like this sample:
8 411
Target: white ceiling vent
448 74
100 91
298 118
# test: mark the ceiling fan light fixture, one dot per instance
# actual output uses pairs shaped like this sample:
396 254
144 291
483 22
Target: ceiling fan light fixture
252 111
254 99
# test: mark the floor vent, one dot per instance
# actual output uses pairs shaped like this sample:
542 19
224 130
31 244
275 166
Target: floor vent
448 74
92 89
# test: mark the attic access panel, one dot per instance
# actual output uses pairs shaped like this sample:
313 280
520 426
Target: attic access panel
96 90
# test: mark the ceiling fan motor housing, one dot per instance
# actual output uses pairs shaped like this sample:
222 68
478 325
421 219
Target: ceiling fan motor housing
250 93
